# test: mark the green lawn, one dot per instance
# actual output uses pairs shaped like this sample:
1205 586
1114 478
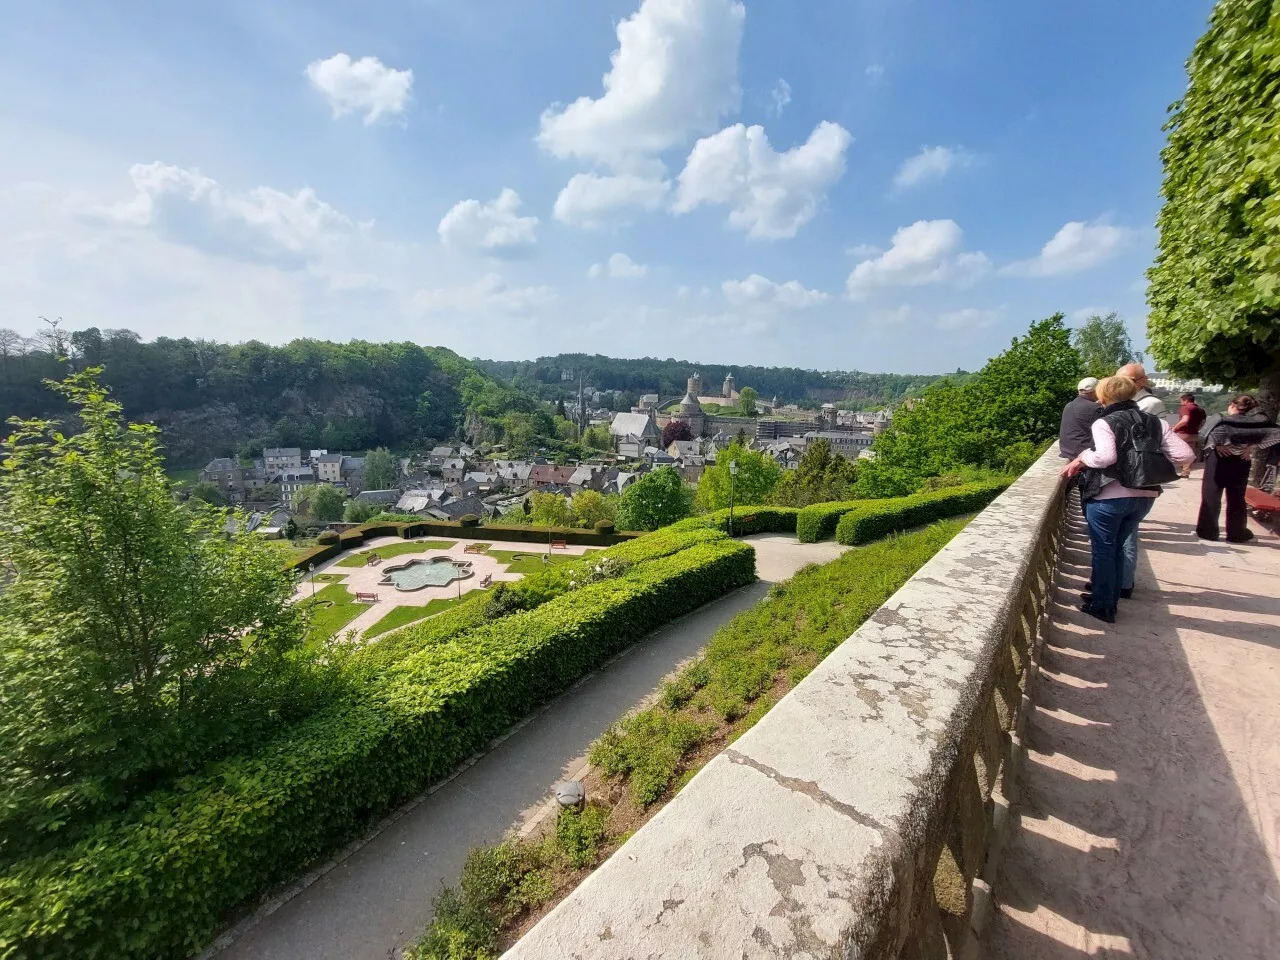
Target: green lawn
528 563
395 550
405 615
332 609
328 578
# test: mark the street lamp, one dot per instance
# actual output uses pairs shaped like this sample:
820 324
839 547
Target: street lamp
733 472
311 569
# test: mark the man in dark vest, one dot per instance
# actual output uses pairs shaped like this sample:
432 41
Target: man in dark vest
1074 434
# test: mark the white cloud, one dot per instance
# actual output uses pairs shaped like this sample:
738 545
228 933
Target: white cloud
864 250
927 251
875 72
970 318
487 294
592 200
781 96
619 266
931 163
262 223
493 228
673 75
771 194
1077 246
683 292
361 86
758 290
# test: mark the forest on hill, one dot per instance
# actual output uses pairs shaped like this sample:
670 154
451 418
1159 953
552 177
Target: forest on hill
546 377
216 399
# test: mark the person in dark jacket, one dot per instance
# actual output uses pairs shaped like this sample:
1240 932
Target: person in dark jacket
1117 490
1077 420
1228 451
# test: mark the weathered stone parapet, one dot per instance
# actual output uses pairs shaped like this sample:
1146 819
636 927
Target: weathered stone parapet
858 818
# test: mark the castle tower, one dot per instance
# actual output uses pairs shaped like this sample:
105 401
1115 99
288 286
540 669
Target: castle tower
695 384
727 390
690 409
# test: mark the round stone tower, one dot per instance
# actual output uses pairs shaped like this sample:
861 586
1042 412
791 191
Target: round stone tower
727 391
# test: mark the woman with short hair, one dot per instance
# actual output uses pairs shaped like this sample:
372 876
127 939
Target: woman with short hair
1131 457
1229 449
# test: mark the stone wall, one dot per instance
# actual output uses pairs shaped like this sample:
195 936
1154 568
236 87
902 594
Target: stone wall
862 817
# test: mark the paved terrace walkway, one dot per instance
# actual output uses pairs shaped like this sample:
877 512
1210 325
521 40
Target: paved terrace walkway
1150 812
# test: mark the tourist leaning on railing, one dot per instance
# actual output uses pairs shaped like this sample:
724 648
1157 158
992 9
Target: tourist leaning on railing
1228 453
1133 454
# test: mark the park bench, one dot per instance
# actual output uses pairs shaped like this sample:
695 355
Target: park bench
364 597
486 580
559 545
373 560
475 548
1267 504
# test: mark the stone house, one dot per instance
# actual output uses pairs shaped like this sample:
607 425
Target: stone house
328 467
278 460
292 481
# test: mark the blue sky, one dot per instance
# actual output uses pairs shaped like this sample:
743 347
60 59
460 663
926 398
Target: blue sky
875 184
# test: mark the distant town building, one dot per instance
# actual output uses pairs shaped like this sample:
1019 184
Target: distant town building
1162 381
278 460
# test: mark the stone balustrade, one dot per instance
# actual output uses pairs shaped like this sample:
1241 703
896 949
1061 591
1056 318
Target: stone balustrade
862 817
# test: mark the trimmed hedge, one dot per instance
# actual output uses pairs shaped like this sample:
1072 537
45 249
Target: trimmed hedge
374 658
156 881
873 519
818 522
356 536
746 520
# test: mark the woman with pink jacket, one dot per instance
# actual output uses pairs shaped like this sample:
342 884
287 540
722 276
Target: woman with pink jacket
1133 453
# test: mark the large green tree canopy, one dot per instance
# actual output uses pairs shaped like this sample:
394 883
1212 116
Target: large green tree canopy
1215 286
1015 402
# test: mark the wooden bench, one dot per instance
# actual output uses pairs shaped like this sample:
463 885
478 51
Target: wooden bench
476 548
373 560
366 597
1261 501
559 545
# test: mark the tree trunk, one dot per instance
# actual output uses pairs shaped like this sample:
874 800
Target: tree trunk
1269 398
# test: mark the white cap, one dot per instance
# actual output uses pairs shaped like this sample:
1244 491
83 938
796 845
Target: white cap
1088 383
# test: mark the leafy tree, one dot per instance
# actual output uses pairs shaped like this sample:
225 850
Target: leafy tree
656 499
590 507
821 476
137 638
757 476
1215 287
380 470
207 492
747 398
320 501
560 411
360 511
1018 396
548 509
1103 345
675 430
565 429
598 438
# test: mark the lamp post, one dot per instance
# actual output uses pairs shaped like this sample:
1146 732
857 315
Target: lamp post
311 569
733 472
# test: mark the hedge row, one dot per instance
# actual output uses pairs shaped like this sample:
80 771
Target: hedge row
746 520
156 881
873 519
376 656
356 536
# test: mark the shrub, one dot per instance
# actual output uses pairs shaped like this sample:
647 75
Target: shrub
155 881
873 519
604 526
327 537
746 520
579 834
818 522
468 520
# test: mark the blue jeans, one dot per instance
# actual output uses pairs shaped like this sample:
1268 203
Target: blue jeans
1113 535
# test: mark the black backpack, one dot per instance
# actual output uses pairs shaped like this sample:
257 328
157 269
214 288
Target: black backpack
1141 462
